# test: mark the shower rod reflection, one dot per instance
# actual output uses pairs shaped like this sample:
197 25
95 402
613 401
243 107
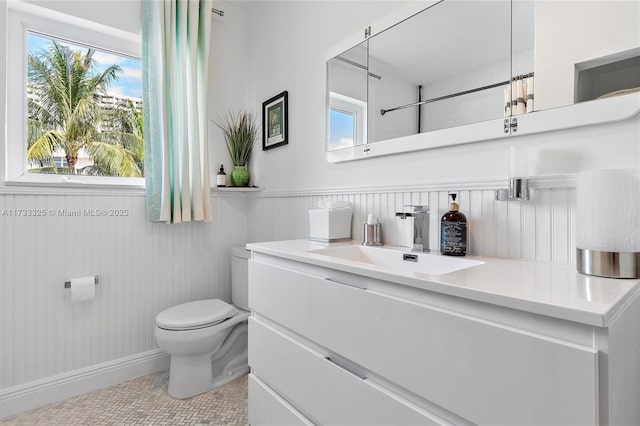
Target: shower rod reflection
453 95
217 11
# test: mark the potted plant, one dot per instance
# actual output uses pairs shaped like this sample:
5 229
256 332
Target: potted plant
240 131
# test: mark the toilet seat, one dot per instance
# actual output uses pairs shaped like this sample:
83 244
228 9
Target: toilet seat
195 315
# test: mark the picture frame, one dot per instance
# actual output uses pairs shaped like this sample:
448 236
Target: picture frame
275 121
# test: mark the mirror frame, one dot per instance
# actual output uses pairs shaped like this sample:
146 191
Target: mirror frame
592 112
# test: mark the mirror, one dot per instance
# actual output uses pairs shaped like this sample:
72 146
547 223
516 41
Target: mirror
585 50
347 98
471 63
441 77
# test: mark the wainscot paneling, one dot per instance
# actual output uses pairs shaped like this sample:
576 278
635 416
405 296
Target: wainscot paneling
46 342
537 230
143 268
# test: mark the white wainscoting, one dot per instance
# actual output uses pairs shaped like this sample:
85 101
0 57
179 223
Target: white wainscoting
541 229
143 268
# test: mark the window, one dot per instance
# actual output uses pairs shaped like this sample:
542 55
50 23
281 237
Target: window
60 161
343 129
75 100
347 122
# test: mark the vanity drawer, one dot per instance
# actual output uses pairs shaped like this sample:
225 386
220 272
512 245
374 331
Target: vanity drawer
267 408
484 372
320 389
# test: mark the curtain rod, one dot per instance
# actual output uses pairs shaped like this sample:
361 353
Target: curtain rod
217 12
453 95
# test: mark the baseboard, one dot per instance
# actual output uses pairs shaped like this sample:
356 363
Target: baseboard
28 396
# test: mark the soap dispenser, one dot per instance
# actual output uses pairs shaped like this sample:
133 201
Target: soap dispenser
221 178
453 231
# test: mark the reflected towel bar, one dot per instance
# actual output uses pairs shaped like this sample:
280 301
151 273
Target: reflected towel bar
217 11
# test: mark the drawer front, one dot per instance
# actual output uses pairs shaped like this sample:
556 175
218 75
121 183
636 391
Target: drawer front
319 388
267 408
484 372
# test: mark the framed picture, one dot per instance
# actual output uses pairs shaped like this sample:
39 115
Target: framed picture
275 122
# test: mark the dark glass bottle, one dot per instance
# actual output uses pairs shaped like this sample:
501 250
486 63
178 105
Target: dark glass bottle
453 231
221 178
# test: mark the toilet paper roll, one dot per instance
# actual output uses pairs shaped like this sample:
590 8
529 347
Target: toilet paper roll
608 210
83 289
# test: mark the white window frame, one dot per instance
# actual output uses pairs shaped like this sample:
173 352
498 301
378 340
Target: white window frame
22 19
355 107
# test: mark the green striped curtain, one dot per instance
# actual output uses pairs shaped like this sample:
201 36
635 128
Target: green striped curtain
175 52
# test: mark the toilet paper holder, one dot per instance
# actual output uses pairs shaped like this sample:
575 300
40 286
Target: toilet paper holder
67 284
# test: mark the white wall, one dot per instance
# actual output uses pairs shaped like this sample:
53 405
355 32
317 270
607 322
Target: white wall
297 64
228 78
561 42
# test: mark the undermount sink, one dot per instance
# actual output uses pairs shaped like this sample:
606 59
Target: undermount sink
396 259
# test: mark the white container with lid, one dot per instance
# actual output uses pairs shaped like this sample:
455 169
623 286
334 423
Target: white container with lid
330 223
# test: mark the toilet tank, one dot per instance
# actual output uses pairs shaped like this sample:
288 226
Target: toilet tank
240 277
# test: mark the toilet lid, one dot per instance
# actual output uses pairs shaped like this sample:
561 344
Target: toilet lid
196 314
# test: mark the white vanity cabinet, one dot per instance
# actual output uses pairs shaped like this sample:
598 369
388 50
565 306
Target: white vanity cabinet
333 347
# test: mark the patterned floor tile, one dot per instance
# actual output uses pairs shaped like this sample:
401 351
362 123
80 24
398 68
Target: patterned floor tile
144 401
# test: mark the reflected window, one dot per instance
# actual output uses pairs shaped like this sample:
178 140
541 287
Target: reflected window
343 129
347 122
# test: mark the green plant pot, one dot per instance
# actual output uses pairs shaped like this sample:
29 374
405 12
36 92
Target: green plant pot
240 176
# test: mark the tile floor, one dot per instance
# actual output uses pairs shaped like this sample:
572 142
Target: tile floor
144 401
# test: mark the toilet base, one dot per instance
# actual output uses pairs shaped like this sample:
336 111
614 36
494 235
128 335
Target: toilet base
231 375
223 357
190 375
231 361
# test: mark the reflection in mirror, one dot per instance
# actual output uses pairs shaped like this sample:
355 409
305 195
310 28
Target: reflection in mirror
347 121
435 75
585 50
520 97
462 62
347 98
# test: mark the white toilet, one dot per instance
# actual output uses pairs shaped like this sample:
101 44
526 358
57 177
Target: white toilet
207 339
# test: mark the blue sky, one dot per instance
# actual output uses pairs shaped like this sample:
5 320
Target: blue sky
341 131
129 82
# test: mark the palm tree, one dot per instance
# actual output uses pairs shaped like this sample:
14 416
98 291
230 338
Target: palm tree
65 115
123 127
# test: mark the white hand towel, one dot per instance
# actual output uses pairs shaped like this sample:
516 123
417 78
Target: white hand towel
507 101
521 106
530 94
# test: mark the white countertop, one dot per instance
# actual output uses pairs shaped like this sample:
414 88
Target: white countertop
557 291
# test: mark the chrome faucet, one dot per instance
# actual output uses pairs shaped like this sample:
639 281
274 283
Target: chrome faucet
420 215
